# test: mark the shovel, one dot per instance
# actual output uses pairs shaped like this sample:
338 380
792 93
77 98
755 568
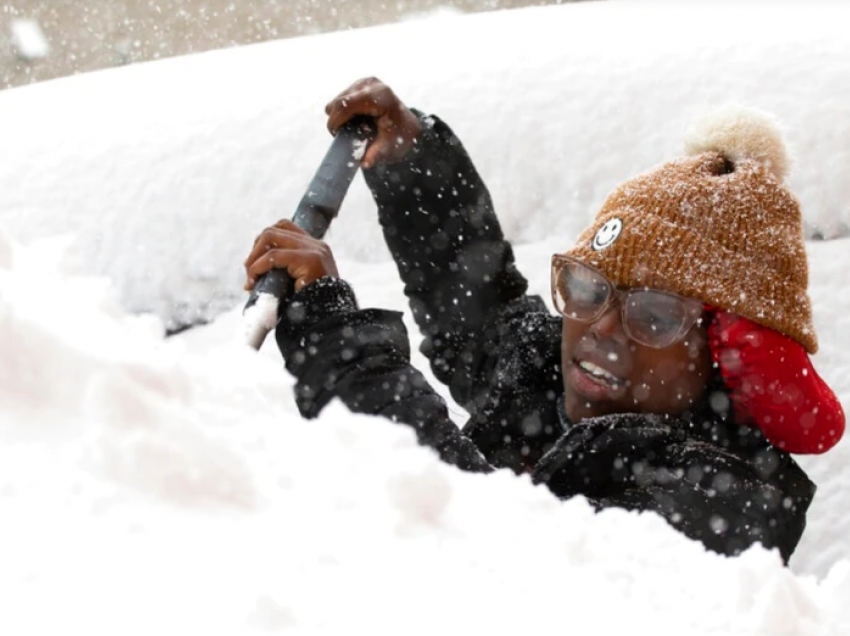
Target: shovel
314 214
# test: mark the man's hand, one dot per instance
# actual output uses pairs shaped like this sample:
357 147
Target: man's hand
398 127
284 245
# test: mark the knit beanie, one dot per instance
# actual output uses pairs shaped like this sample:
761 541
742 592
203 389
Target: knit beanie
718 225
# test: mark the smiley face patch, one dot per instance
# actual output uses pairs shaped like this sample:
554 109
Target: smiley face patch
607 234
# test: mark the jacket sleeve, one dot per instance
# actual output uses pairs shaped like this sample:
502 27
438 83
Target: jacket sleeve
362 357
725 499
458 270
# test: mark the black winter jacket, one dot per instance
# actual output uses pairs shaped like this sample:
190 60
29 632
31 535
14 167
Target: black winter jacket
498 351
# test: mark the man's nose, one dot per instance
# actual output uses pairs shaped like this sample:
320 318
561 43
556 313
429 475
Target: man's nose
609 324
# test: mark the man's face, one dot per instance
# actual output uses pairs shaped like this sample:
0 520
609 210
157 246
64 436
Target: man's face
607 372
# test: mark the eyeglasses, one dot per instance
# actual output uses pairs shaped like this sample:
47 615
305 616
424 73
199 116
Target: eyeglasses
654 318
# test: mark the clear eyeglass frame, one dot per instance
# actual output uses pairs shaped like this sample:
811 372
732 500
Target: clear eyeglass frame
632 302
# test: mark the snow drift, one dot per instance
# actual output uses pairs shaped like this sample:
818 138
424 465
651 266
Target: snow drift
169 486
165 171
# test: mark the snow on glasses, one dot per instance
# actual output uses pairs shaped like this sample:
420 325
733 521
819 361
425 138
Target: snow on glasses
652 317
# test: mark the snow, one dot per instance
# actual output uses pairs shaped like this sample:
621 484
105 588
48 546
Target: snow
168 486
182 161
259 319
28 40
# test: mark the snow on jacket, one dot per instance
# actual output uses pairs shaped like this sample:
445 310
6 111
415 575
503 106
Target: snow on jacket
498 351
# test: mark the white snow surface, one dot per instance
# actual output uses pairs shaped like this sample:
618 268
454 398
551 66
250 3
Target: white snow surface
168 486
152 486
165 171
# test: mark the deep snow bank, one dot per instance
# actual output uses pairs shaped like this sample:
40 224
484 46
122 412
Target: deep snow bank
168 487
166 171
152 486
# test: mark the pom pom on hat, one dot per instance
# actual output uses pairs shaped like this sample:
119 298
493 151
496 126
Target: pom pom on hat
737 132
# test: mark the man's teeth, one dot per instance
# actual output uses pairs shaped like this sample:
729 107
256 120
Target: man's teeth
598 371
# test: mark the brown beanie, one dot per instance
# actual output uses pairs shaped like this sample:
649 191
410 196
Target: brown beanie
719 226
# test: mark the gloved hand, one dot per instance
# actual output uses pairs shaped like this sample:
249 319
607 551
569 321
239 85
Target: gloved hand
773 385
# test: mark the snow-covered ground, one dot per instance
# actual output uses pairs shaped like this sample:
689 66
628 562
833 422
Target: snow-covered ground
166 171
169 486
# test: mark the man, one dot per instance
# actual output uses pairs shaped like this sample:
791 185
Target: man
653 390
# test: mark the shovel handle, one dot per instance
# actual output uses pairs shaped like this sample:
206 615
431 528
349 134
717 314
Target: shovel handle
318 207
